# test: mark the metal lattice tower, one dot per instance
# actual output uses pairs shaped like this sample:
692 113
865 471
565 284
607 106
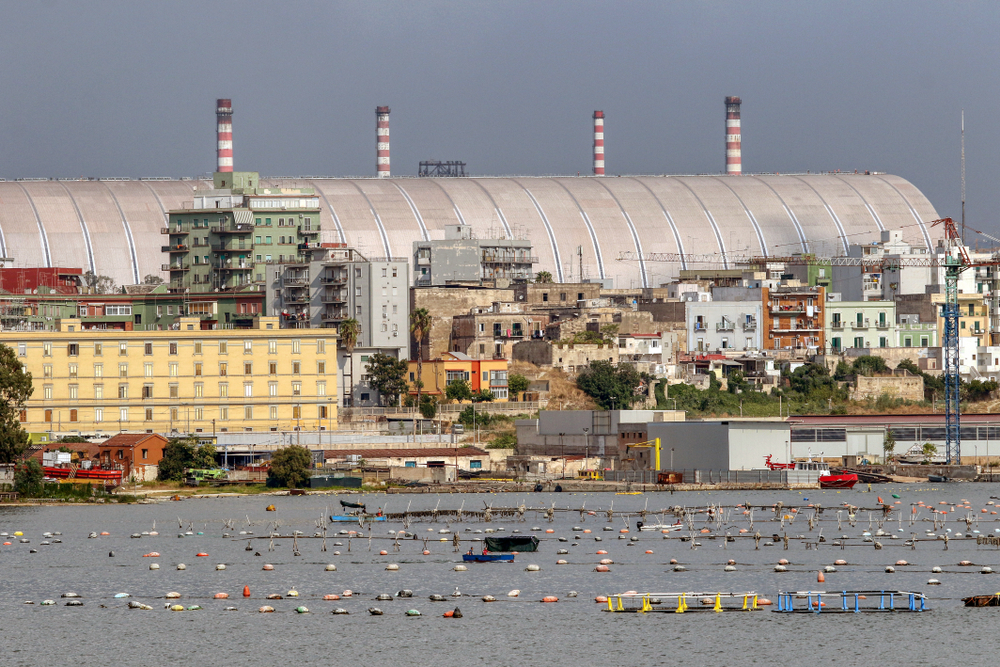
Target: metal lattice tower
956 260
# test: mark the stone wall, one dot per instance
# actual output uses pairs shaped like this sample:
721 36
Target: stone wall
444 303
908 387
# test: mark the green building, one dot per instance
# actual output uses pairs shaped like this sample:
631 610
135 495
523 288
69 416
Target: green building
234 230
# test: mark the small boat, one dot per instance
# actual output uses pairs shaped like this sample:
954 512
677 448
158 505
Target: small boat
355 518
661 527
937 478
488 558
845 481
354 506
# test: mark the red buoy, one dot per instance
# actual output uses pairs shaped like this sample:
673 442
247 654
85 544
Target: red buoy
246 591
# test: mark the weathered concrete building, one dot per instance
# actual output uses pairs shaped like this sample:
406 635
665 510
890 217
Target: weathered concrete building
462 258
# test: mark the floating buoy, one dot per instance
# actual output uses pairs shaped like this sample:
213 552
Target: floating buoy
383 553
405 593
412 612
965 563
220 566
562 562
331 597
426 552
331 567
457 568
489 598
601 599
340 611
549 531
623 531
780 568
561 552
829 568
301 610
457 613
986 570
221 596
246 591
936 570
269 508
154 566
933 582
181 566
392 567
348 593
267 566
514 593
550 598
375 611
172 595
103 533
783 561
890 569
273 596
194 607
680 568
178 607
840 561
601 552
292 593
448 614
532 568
201 554
673 561
763 602
901 563
729 568
266 609
820 578
151 554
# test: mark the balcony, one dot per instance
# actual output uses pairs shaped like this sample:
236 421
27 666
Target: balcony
750 326
180 247
512 259
176 230
881 324
725 326
307 231
333 280
859 326
233 228
175 267
334 315
297 297
423 261
222 247
296 281
837 325
333 296
229 265
797 308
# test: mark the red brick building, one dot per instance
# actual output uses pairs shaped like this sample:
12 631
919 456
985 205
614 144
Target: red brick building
135 454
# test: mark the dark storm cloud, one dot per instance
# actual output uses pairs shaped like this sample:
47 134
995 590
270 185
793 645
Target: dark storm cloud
128 88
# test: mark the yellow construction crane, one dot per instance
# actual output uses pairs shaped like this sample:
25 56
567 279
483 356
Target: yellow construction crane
654 444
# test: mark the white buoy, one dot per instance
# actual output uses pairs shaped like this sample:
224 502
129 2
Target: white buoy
933 582
181 566
890 569
331 568
220 566
514 593
936 570
457 568
392 567
780 568
154 566
562 562
173 595
532 568
729 568
680 568
986 570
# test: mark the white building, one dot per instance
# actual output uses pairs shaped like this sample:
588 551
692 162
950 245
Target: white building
723 325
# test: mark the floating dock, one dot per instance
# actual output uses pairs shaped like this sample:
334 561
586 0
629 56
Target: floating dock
680 603
850 602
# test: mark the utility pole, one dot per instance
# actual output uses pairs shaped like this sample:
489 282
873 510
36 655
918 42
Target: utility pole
963 176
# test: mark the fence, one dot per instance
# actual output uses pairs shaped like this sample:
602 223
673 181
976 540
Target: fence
446 409
693 476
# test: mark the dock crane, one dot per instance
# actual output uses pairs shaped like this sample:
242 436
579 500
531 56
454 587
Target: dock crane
954 261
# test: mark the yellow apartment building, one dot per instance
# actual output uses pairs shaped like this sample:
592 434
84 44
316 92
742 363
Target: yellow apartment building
437 374
973 317
187 380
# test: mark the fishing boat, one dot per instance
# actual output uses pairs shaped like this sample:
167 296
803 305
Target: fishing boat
498 545
937 478
355 506
355 518
827 479
661 527
97 474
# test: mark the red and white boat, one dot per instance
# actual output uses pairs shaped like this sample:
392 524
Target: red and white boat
827 480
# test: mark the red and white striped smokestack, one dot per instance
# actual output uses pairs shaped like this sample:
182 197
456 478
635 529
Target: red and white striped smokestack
382 139
598 143
734 157
224 135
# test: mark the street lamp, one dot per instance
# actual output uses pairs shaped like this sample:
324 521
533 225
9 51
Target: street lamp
586 439
562 447
671 459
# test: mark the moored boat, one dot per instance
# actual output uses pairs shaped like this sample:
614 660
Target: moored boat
355 518
937 478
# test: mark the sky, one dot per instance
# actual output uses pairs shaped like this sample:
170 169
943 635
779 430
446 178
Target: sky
108 89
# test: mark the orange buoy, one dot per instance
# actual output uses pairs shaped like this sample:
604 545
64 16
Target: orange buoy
348 593
820 578
984 510
331 597
649 551
222 596
783 561
703 530
763 602
549 531
449 614
201 555
819 604
246 591
383 553
901 563
623 530
880 502
105 533
602 568
586 531
600 599
550 598
601 552
426 552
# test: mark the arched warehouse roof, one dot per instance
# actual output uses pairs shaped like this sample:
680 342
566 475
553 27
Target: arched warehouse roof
113 226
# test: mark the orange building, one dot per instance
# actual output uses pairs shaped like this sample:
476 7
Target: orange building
793 318
452 366
135 454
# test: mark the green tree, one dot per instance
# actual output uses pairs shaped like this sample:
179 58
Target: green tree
736 383
291 466
178 455
458 390
609 332
929 450
204 456
387 375
100 284
420 327
611 387
842 372
543 277
517 384
15 390
503 441
72 439
869 365
888 445
978 390
428 406
483 396
152 279
349 331
28 476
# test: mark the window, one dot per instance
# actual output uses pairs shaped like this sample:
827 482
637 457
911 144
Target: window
173 347
123 391
82 311
320 367
123 414
923 341
47 371
272 388
320 346
46 349
99 391
272 347
296 346
321 388
174 416
74 370
73 350
199 390
562 296
123 370
296 412
147 370
248 389
122 349
223 347
296 389
98 349
197 368
173 390
248 412
47 392
273 412
98 414
199 414
223 389
247 368
174 367
48 416
148 349
159 309
223 368
147 391
357 272
197 347
22 349
248 347
296 367
149 416
272 368
224 414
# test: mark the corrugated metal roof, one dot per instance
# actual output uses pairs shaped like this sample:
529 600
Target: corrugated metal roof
404 453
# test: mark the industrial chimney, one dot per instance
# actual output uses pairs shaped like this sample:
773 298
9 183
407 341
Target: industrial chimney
224 135
598 143
382 139
734 158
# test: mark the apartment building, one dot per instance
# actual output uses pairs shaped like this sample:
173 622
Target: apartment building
187 380
723 325
860 324
461 257
481 374
792 316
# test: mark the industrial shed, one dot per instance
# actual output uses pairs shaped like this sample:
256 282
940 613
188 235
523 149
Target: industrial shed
113 226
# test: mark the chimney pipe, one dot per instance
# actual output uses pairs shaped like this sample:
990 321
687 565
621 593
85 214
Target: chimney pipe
382 139
224 135
734 157
598 143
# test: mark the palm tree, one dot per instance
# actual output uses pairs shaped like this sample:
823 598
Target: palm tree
349 331
420 327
